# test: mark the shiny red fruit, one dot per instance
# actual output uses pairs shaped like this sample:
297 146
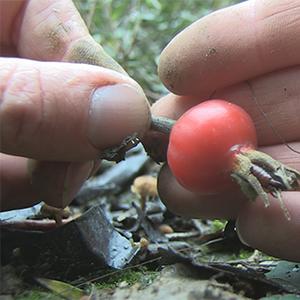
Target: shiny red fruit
203 143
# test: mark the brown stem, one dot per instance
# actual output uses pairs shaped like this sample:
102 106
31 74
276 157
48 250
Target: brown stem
34 225
162 124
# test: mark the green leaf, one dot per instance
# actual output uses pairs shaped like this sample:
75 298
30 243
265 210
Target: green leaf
62 289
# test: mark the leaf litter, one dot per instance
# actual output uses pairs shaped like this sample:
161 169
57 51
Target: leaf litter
122 242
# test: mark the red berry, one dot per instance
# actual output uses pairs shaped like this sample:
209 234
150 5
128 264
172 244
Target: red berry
203 144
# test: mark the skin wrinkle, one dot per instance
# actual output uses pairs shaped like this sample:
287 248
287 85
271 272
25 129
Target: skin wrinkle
8 84
282 7
283 154
59 29
69 105
86 50
277 130
57 35
18 105
268 19
39 94
77 50
267 95
6 81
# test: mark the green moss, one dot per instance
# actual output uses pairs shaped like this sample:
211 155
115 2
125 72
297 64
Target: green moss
218 225
244 254
37 295
130 276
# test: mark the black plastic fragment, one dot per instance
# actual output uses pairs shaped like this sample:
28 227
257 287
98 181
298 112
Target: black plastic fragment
88 243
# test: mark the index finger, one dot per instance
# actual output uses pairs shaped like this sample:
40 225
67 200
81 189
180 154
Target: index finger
52 30
272 101
232 45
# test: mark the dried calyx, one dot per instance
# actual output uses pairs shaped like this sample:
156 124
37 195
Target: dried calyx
118 152
258 174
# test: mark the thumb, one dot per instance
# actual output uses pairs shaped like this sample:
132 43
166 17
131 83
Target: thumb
66 112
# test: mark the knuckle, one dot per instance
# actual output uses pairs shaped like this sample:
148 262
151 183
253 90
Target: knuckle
53 28
21 108
280 14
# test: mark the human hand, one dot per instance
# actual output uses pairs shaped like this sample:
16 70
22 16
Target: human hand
247 54
59 115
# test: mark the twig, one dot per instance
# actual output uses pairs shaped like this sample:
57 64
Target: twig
38 225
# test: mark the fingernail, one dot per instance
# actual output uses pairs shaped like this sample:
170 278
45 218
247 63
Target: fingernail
116 111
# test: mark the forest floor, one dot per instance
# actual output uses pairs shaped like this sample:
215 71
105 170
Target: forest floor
109 247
